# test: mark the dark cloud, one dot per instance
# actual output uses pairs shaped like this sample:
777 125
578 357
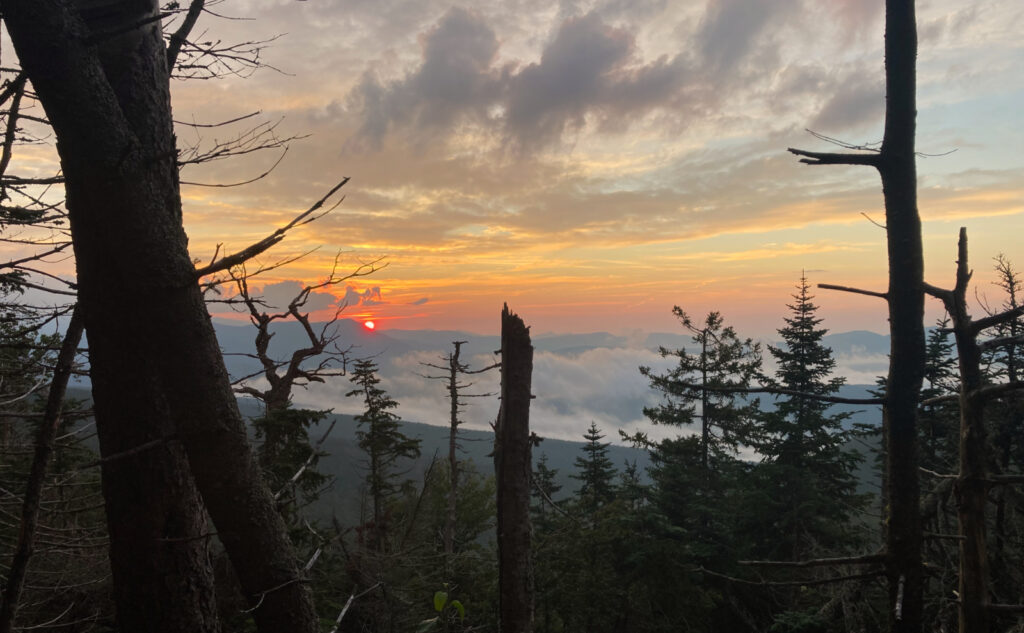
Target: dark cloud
355 297
588 68
454 81
420 301
278 296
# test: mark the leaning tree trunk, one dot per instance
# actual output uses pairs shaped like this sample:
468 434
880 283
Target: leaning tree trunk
512 465
165 412
46 435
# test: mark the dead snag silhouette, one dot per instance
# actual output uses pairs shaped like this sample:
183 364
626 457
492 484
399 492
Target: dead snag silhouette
973 482
895 162
512 467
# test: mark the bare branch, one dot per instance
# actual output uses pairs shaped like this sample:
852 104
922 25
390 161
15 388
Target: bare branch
996 319
859 291
275 237
826 158
181 35
867 559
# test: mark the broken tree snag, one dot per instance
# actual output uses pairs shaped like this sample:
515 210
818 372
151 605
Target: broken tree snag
972 484
512 467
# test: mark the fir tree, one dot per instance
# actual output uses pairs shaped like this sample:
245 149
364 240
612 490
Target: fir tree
594 470
722 361
808 469
383 442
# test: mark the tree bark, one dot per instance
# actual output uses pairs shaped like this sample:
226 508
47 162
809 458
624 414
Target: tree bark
906 318
156 367
905 297
453 461
972 483
512 465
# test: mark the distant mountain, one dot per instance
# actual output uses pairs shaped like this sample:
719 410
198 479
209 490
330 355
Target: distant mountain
345 463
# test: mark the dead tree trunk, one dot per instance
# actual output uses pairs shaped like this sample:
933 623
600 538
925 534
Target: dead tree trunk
512 466
453 461
972 483
895 162
158 376
40 462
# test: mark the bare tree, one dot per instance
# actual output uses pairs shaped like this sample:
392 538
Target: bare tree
896 164
974 479
323 338
455 368
513 467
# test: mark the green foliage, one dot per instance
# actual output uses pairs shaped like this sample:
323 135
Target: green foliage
447 612
381 438
807 481
700 387
68 575
595 471
799 622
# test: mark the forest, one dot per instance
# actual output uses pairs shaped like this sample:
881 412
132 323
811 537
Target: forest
173 496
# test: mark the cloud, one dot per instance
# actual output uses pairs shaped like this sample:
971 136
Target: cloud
454 82
368 297
733 29
277 296
858 100
587 68
602 385
420 301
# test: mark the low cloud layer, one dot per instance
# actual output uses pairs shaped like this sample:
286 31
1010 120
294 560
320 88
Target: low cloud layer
602 385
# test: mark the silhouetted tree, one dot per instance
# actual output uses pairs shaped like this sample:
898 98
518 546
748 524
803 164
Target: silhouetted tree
102 80
594 470
896 164
806 465
384 443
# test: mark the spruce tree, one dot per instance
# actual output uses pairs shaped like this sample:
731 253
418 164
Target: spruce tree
594 471
808 470
695 475
703 378
381 438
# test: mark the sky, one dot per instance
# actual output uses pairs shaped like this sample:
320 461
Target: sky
593 163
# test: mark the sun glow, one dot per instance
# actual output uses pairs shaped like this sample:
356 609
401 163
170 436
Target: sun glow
369 325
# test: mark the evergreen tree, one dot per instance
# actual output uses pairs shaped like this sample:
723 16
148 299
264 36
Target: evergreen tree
692 518
939 423
594 471
383 442
289 462
1004 357
704 378
549 547
807 468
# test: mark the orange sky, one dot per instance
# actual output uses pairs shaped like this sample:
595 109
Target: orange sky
595 163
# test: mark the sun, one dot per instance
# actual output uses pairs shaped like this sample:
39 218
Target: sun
369 325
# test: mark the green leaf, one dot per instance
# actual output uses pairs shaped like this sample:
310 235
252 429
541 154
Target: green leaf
440 599
427 625
455 604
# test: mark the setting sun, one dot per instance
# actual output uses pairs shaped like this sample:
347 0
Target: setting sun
369 325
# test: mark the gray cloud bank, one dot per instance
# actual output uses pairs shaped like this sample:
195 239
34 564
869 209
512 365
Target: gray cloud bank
591 72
